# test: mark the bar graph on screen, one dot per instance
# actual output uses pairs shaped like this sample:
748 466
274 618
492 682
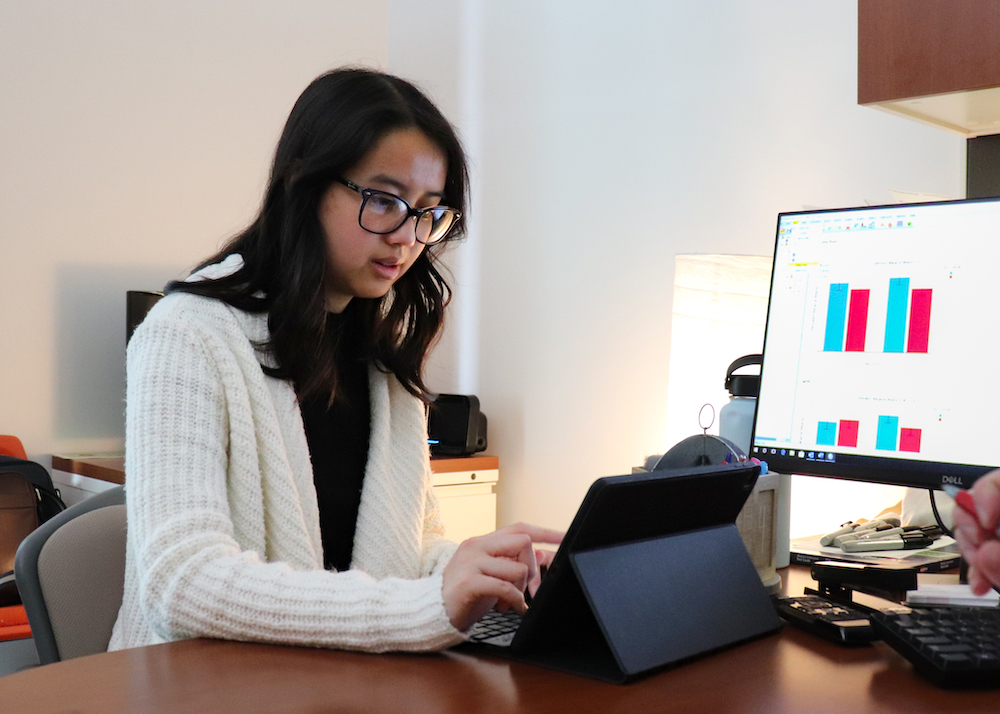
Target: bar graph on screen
879 357
889 436
907 317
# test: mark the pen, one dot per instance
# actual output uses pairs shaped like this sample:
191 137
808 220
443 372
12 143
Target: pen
964 501
872 534
844 529
904 541
879 535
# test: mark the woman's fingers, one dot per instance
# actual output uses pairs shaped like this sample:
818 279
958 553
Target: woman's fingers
976 532
526 555
987 563
536 533
494 570
986 495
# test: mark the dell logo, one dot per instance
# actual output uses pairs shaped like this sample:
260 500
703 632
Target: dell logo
954 480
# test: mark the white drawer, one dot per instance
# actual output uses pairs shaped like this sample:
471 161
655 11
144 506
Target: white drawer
454 478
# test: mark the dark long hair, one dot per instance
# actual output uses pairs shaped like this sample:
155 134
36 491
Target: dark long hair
336 121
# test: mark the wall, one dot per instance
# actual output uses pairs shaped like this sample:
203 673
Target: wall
607 142
135 139
435 45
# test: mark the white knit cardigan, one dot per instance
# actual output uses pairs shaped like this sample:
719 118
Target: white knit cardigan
223 525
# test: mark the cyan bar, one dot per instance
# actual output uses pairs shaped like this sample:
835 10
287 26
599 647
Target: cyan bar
895 317
826 433
888 428
836 318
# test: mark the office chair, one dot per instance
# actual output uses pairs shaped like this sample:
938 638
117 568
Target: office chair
71 574
11 446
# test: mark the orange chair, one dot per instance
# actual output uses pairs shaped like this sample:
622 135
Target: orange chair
11 446
13 622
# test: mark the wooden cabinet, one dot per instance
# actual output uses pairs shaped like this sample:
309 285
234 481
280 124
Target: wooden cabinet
933 61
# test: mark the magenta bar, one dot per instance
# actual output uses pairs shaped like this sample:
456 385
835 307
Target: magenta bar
848 432
920 320
857 321
909 440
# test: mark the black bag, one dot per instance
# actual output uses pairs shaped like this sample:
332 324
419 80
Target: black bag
27 499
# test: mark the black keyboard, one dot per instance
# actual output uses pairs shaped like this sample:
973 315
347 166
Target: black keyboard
952 647
496 628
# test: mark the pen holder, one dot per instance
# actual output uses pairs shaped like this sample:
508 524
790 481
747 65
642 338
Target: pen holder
758 527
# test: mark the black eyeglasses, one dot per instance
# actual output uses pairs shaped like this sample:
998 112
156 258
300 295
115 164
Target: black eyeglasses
382 212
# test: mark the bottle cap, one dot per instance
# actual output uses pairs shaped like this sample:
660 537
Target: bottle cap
743 385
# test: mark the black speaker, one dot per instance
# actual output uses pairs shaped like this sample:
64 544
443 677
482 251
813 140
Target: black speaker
455 426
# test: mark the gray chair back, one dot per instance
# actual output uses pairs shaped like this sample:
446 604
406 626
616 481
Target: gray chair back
71 573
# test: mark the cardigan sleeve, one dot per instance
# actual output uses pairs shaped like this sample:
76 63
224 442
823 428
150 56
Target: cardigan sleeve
193 577
437 548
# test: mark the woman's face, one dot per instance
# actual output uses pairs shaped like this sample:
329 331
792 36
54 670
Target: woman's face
362 264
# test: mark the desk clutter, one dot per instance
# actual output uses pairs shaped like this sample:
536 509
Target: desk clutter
881 534
952 646
940 555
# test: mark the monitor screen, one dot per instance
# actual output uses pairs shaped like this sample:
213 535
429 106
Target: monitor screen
882 345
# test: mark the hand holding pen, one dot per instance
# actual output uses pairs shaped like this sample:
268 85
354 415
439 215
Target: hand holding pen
977 530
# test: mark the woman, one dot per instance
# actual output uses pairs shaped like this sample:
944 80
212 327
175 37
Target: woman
278 474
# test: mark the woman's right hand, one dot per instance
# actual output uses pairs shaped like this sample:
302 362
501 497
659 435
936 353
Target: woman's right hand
977 534
493 570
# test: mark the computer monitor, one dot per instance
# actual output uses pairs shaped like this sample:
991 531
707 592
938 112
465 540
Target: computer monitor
882 346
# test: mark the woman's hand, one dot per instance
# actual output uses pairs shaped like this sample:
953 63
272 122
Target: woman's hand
494 570
977 535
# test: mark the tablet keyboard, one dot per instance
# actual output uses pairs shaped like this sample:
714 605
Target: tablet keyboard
952 647
496 628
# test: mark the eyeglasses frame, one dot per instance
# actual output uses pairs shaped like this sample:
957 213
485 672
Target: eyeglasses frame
367 193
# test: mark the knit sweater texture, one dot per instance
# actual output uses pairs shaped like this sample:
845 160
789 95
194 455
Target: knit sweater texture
223 526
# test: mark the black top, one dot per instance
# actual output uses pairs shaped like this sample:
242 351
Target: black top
338 443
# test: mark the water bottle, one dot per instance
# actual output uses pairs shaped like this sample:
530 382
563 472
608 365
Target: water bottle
736 417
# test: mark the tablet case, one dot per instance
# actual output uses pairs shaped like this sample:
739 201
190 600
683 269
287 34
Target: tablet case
652 572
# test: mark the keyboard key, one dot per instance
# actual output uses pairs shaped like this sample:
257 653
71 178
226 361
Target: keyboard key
956 660
933 640
951 649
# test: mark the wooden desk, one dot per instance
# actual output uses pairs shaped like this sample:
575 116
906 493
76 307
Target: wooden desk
112 468
789 672
103 468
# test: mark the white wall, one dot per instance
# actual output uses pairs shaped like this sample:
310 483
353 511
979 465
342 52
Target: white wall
608 139
605 139
435 44
135 138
